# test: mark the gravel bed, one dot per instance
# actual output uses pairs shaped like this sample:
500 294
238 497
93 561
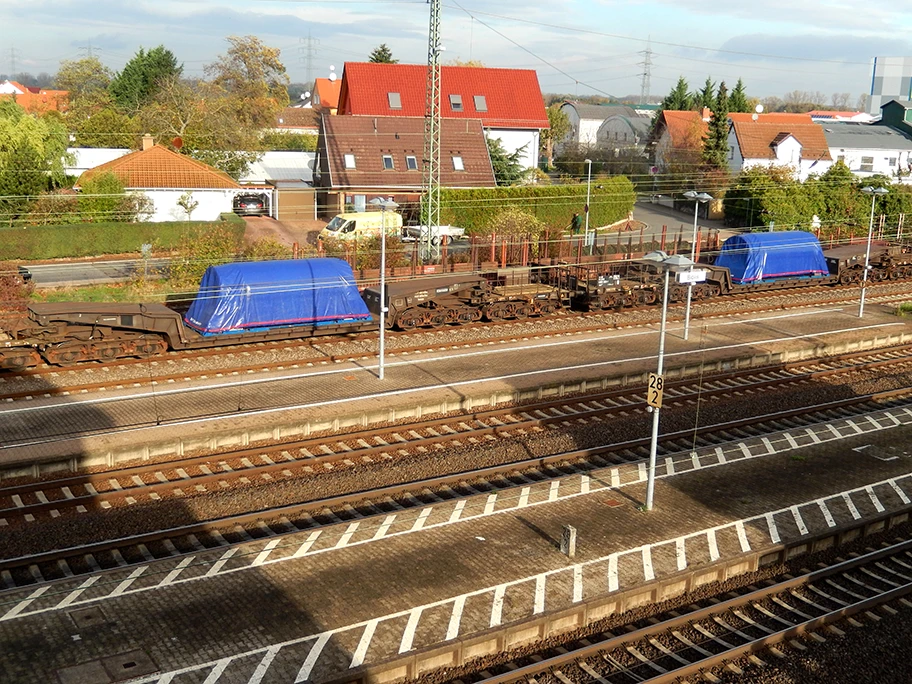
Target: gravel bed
268 356
342 478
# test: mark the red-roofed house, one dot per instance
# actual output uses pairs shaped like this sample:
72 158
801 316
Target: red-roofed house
326 94
32 99
507 101
778 139
679 139
163 176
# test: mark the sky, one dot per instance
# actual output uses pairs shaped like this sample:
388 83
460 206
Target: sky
577 47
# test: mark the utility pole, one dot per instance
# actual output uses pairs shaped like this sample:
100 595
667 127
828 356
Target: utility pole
647 72
308 51
13 52
432 125
88 50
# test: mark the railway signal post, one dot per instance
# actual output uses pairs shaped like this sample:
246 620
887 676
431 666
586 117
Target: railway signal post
392 206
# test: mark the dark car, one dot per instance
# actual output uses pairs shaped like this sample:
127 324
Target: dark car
251 204
25 274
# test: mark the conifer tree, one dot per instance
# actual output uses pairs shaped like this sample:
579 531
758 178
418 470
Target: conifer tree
382 55
715 145
738 100
705 98
679 99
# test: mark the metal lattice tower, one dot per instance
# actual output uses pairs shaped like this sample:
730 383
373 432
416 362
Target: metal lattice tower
431 199
647 68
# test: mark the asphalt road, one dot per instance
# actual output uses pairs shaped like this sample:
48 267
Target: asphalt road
88 272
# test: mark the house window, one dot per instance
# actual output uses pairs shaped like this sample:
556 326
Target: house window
457 164
893 161
349 161
388 162
867 164
481 104
456 103
411 163
395 100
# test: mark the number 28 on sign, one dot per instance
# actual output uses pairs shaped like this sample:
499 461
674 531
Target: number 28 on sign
654 390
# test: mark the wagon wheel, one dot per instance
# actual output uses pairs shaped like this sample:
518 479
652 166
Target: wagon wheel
438 318
65 356
20 360
849 277
464 316
676 293
497 312
521 311
409 320
146 348
107 353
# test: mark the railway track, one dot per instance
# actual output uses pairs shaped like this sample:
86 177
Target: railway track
751 624
588 466
310 352
31 502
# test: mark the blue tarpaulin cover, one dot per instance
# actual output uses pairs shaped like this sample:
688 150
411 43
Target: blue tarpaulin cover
267 294
754 257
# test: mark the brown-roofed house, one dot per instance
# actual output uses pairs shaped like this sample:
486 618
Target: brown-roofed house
33 99
163 176
776 139
362 157
298 120
679 139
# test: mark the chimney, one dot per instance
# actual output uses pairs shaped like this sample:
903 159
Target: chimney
148 142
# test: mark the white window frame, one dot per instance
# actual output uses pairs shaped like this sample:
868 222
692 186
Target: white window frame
458 164
411 162
481 103
349 161
456 102
388 163
394 100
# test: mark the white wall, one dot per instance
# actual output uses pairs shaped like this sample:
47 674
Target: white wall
514 139
881 160
788 153
211 203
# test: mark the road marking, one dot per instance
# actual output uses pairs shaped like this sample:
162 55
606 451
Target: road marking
457 511
744 450
799 521
812 435
641 468
539 595
774 531
422 518
305 547
384 527
361 651
577 583
497 605
852 424
490 503
826 513
524 497
770 449
123 586
264 554
311 660
455 618
851 504
615 477
713 545
669 466
681 553
742 536
790 440
552 493
648 571
408 636
584 484
613 572
695 459
174 574
720 454
75 594
218 670
260 670
874 499
899 492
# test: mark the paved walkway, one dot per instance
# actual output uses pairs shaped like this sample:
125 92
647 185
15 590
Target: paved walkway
317 603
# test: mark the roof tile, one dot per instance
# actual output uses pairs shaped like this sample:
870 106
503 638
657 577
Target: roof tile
159 167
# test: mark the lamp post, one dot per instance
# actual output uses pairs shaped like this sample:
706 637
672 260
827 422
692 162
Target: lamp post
654 441
392 206
588 191
698 199
873 192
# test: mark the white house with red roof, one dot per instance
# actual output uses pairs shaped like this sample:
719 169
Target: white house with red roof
507 101
778 139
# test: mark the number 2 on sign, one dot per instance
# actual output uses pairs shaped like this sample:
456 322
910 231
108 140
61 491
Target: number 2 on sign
654 390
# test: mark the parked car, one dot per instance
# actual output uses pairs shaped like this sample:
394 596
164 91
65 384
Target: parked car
251 204
25 274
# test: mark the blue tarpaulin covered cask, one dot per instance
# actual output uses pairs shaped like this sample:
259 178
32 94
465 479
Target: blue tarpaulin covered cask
755 257
267 294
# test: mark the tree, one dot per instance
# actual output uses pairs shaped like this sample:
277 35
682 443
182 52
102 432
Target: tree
515 221
253 76
507 168
738 101
105 127
187 203
715 146
102 198
706 97
86 77
679 99
559 127
382 55
141 76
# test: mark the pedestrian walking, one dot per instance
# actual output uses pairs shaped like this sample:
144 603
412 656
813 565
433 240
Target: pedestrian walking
576 224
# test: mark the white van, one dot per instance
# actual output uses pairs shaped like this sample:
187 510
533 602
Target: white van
363 224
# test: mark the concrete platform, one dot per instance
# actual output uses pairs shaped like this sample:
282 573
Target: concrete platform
110 427
432 586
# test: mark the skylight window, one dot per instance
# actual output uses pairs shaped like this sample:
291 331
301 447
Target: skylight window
395 100
388 162
457 164
481 103
349 161
456 103
411 163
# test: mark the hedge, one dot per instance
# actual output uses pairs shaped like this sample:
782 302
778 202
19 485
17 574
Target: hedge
94 239
611 200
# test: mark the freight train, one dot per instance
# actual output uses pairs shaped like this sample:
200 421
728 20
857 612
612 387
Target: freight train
263 301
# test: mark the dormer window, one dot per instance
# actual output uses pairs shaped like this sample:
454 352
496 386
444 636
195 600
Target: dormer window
349 161
388 162
457 164
481 103
411 163
456 103
395 100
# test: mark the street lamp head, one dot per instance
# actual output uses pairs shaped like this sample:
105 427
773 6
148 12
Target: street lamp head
588 161
698 196
869 190
384 203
